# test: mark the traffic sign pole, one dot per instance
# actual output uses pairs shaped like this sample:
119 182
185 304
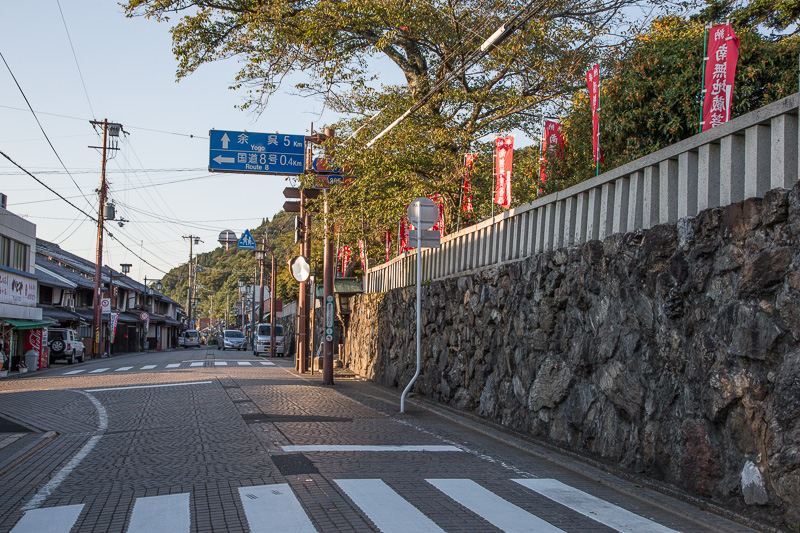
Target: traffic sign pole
327 356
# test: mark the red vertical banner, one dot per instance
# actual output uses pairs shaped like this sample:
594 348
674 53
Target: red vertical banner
504 157
552 142
362 252
466 191
723 54
439 226
388 244
346 254
403 236
593 80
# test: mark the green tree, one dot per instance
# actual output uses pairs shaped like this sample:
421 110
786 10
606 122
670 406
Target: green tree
651 95
434 44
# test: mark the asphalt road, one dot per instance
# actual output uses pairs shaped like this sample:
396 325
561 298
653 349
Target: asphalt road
205 440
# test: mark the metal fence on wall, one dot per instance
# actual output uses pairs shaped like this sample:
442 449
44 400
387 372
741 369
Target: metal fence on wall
741 159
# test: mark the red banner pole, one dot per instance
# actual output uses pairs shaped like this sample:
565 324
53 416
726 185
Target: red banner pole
703 74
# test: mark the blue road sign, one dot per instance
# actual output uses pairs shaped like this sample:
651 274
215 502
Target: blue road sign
255 153
247 242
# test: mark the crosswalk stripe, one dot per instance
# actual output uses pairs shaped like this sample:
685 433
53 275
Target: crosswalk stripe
148 367
220 363
174 365
387 509
123 368
197 364
491 507
244 363
370 448
267 363
99 370
274 508
155 514
593 507
50 519
74 372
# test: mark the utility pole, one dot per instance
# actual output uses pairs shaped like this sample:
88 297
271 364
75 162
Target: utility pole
302 304
190 293
112 129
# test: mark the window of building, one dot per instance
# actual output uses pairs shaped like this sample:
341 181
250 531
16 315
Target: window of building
5 251
20 256
45 295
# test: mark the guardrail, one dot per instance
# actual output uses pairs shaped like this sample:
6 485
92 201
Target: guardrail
741 159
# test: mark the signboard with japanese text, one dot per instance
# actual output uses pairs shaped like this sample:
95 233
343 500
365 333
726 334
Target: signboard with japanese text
466 192
17 290
723 54
593 80
256 153
552 142
504 154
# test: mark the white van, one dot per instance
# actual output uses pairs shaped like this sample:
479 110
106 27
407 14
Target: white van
263 340
191 338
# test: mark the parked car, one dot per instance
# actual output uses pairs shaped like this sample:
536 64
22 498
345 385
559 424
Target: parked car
233 339
191 339
65 344
264 339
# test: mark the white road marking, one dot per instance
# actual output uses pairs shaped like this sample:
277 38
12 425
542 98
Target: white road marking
154 514
491 507
123 368
50 519
370 448
174 365
151 386
387 509
244 363
220 363
74 372
593 507
148 367
274 508
62 474
197 364
99 370
267 363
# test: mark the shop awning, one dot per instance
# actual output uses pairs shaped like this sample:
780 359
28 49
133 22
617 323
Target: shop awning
27 324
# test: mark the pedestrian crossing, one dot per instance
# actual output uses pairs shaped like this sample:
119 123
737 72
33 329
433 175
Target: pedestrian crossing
277 508
171 366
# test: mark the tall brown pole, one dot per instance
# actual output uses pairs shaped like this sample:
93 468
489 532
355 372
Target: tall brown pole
97 347
327 356
261 280
309 310
302 307
272 319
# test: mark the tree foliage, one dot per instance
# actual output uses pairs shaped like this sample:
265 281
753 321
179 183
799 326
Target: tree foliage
651 94
220 270
433 44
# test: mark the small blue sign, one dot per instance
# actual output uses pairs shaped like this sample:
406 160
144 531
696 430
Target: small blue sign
247 242
256 153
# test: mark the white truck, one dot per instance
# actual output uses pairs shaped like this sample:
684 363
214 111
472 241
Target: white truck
264 338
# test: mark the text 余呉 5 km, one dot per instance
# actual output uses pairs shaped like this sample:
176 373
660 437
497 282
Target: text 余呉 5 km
255 153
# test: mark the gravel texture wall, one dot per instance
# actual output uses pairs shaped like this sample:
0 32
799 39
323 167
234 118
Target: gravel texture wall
673 352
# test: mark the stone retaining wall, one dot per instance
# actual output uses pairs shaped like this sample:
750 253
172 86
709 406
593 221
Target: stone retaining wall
672 351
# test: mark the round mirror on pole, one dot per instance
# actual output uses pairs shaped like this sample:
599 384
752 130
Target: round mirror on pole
300 268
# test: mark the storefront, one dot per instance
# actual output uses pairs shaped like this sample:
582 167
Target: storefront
24 341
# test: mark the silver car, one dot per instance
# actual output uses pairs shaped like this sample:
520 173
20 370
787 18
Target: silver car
232 339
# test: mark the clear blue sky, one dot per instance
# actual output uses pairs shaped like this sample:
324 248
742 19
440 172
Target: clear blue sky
129 73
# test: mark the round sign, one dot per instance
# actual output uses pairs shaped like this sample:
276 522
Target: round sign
105 304
227 236
423 213
144 316
300 268
329 338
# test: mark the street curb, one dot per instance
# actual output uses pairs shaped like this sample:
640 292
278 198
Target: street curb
644 489
36 443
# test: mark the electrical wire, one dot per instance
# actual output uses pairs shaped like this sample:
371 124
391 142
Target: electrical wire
42 128
74 55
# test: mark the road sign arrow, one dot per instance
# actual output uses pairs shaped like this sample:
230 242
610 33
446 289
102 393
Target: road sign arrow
219 159
225 140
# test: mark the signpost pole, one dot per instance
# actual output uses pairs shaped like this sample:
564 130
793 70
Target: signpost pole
327 356
302 303
419 317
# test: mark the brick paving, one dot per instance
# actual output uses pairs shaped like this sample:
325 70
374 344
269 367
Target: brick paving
208 440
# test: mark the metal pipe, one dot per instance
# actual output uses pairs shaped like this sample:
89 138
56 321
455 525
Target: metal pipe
419 315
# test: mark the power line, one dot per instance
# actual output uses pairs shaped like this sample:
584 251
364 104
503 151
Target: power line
69 38
42 128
